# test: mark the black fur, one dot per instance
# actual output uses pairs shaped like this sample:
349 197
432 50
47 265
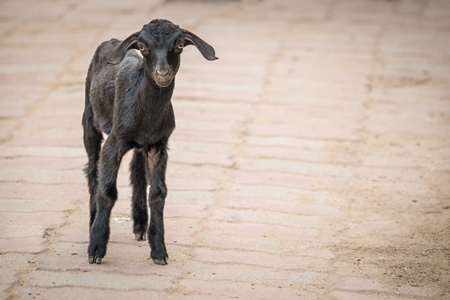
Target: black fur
128 98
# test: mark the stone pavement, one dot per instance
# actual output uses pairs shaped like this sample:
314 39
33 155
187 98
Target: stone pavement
311 161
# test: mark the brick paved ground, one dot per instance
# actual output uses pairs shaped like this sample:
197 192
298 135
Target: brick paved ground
311 161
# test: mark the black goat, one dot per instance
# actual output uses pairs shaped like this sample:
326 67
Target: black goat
128 98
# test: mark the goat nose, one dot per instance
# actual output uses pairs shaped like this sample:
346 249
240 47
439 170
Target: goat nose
162 72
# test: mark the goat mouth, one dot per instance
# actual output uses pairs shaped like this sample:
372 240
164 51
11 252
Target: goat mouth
163 83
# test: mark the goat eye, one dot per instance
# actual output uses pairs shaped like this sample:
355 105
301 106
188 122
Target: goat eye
180 46
141 47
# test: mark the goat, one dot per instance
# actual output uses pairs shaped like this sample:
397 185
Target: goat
128 97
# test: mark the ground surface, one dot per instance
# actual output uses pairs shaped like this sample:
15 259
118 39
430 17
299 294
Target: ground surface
311 161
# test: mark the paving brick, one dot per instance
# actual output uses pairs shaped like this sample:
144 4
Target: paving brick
196 197
253 274
412 291
382 227
52 11
217 125
261 259
187 211
64 192
32 244
6 128
360 284
288 220
43 176
4 293
277 160
19 231
207 289
291 153
436 11
98 279
281 231
281 205
41 151
9 110
29 219
34 205
46 134
267 244
200 158
80 292
192 295
209 137
186 170
183 107
272 191
369 296
42 163
12 265
284 180
192 184
297 114
311 131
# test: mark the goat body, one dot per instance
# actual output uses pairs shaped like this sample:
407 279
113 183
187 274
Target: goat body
128 97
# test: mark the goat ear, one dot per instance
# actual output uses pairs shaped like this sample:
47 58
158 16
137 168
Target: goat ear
205 49
119 53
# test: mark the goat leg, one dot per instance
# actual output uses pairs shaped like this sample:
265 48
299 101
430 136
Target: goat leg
110 157
92 143
139 196
157 196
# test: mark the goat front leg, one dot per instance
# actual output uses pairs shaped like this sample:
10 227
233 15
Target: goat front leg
157 160
110 157
139 197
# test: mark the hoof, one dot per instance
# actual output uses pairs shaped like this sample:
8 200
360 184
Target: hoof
160 261
93 259
140 236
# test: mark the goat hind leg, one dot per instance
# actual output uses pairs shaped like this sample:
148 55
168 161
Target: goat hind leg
92 143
